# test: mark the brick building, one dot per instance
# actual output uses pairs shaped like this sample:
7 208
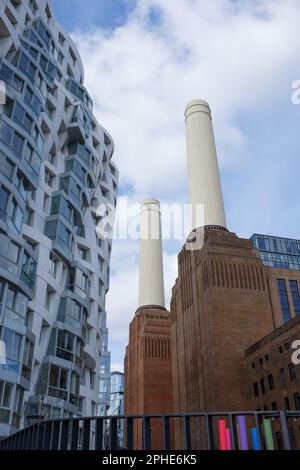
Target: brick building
148 366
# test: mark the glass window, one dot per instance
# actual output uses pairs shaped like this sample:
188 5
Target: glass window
17 142
262 386
6 395
255 389
271 382
16 216
15 354
295 296
63 379
19 399
13 252
284 301
8 167
286 403
8 340
292 371
28 270
6 132
54 375
282 376
53 265
297 401
4 195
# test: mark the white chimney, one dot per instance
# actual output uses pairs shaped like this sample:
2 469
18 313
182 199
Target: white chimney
203 172
151 282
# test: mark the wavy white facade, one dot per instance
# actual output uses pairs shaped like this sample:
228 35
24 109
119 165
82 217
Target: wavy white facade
55 170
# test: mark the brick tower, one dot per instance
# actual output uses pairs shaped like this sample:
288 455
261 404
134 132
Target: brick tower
148 367
220 301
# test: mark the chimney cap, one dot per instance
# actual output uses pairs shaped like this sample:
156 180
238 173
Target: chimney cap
146 202
197 106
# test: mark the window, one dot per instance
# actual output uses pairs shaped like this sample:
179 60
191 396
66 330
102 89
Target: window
104 385
11 137
13 343
38 138
255 389
48 68
16 302
46 203
280 349
92 379
262 386
53 265
4 195
274 405
282 376
28 216
33 159
5 399
10 77
6 166
27 66
58 382
101 264
49 178
295 296
32 100
101 288
74 388
286 403
28 270
13 252
64 234
284 301
5 394
65 345
27 359
105 365
271 382
83 252
297 401
61 39
16 217
292 371
48 297
22 118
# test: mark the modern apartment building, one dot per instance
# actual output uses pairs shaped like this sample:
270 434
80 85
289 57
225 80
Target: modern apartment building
55 170
116 407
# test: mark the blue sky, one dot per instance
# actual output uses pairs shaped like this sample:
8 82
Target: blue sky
143 61
87 14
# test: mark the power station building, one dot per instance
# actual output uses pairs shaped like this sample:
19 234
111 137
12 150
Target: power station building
55 170
234 310
229 294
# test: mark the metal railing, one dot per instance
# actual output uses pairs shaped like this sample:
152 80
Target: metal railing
103 433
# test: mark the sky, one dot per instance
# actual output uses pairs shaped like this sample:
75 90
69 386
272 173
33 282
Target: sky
144 60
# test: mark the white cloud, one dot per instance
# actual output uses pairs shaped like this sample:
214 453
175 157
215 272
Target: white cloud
117 367
237 55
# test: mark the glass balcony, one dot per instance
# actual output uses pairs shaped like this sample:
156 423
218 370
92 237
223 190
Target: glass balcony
73 190
61 236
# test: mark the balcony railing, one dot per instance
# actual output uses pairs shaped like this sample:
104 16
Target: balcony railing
273 430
